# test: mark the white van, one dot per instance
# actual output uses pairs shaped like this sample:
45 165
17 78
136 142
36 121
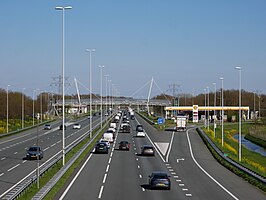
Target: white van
113 125
109 137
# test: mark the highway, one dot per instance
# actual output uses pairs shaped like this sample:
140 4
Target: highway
15 167
195 174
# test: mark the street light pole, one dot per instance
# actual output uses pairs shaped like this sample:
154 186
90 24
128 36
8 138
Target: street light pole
61 8
7 112
101 79
240 116
222 94
205 107
106 91
208 100
214 112
90 51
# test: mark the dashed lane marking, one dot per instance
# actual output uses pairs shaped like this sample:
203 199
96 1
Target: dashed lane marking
13 167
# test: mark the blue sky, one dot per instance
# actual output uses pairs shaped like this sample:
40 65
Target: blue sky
190 42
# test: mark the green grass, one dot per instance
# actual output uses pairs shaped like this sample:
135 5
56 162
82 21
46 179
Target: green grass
51 172
252 160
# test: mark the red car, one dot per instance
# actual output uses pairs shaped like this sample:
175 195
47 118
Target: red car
124 145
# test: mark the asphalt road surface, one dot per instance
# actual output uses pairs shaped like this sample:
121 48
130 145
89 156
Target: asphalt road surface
195 174
14 166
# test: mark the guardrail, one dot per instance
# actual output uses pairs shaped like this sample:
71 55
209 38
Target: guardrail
227 159
146 118
26 182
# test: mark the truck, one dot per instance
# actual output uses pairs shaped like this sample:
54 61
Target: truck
181 123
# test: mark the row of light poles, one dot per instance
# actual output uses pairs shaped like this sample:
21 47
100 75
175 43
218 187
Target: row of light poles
222 108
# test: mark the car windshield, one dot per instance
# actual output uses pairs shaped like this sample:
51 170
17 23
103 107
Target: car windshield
160 176
34 149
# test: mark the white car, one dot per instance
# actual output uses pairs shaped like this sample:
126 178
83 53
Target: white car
140 134
105 141
76 126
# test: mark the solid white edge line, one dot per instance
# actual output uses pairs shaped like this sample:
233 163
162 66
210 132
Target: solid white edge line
192 155
74 179
169 148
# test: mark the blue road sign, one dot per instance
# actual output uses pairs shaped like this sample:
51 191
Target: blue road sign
161 120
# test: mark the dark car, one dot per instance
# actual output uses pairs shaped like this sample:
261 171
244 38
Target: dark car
148 150
34 152
47 127
125 128
139 128
61 127
124 145
101 147
159 180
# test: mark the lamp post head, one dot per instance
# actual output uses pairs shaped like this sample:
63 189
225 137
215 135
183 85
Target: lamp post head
221 78
238 68
63 7
90 50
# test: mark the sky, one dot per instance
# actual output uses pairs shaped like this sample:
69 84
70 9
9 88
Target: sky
189 43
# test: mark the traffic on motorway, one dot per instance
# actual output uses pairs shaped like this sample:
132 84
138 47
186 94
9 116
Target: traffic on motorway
131 160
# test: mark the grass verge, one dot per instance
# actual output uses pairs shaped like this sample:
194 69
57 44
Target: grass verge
232 168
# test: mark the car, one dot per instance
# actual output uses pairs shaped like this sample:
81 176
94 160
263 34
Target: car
124 145
105 141
76 126
159 180
47 127
109 137
61 127
34 152
139 128
140 134
125 128
148 150
101 147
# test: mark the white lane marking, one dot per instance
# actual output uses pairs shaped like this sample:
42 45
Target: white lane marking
169 167
13 167
189 195
171 170
137 159
107 168
169 149
74 179
104 178
110 159
143 189
111 154
178 180
181 184
100 193
2 174
58 141
185 189
3 158
173 173
192 155
162 146
24 161
175 176
167 164
138 166
53 145
46 148
140 176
